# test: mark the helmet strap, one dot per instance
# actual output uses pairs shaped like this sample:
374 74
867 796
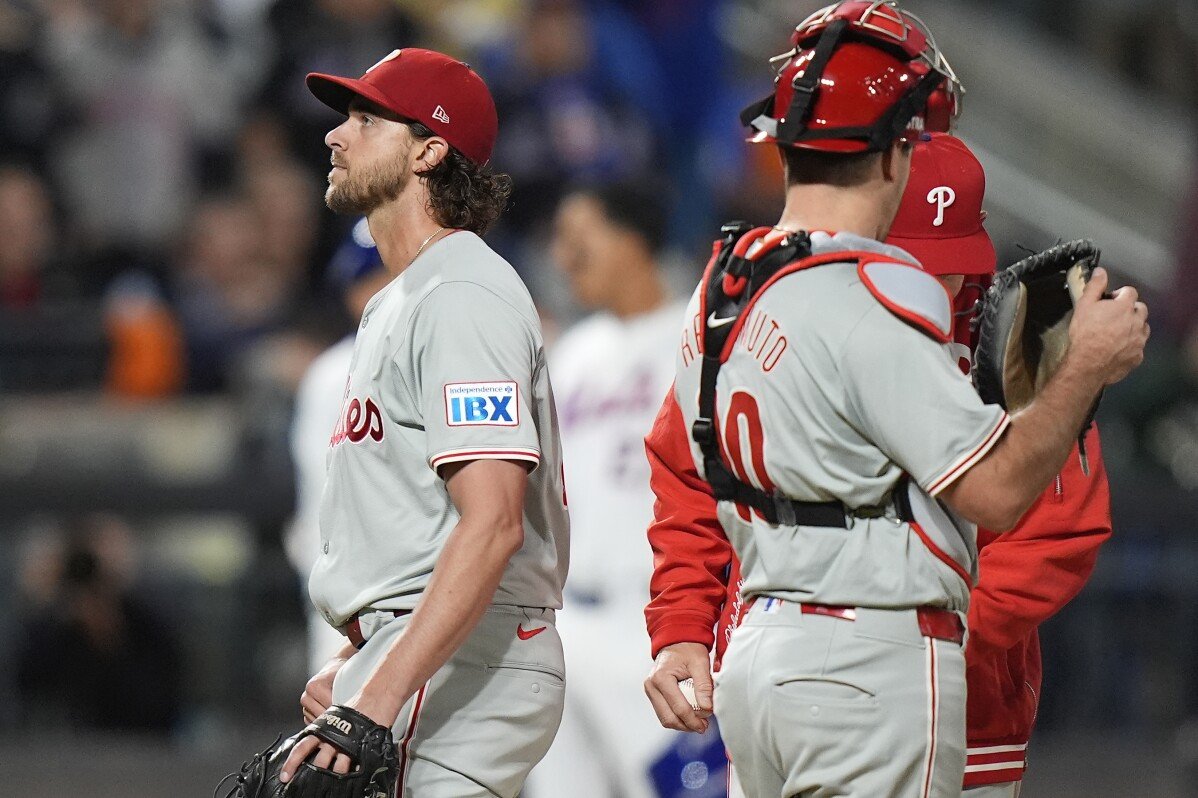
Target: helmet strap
794 122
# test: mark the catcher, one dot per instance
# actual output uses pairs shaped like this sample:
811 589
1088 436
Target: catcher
1025 575
847 457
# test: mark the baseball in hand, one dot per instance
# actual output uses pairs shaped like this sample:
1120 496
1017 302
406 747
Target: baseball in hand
687 686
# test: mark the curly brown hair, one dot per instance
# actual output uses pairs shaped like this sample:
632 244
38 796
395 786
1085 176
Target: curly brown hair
461 193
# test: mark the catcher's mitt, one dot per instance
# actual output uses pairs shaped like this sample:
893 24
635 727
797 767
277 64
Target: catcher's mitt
1023 330
374 770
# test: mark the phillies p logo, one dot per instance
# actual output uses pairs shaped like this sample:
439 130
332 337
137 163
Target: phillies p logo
942 197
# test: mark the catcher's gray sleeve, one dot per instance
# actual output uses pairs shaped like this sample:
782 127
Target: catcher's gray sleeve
909 397
474 357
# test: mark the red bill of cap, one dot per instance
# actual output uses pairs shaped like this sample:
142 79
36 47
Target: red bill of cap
940 218
442 93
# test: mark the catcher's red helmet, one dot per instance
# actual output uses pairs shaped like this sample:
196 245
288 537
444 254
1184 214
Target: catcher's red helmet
859 75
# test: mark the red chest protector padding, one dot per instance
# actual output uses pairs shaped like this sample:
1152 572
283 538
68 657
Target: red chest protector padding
745 262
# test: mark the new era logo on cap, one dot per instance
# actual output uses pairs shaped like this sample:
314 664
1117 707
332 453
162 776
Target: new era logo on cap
440 115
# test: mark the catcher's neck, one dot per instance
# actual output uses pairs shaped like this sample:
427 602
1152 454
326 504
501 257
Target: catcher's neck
866 206
835 209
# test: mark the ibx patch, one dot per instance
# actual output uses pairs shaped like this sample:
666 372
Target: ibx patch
482 404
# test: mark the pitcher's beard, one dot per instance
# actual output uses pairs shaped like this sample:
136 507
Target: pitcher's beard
373 187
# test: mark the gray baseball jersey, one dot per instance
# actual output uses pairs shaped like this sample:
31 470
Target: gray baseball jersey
448 366
827 395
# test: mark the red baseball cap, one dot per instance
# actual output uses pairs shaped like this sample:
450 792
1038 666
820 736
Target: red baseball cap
940 218
443 94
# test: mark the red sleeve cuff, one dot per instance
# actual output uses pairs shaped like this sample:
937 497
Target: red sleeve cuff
522 453
682 627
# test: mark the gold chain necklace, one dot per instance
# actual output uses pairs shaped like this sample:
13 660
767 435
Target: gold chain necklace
424 244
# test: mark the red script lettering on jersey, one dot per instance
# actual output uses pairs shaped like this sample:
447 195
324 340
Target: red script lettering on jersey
762 338
358 421
692 340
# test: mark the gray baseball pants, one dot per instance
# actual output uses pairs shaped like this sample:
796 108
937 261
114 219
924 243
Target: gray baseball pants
812 706
479 725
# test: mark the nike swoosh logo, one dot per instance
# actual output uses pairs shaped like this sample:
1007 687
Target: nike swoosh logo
712 321
528 634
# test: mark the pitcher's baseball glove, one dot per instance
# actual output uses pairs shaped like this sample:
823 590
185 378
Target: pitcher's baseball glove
374 770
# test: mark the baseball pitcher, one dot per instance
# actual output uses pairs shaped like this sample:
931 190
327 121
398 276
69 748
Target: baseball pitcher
444 535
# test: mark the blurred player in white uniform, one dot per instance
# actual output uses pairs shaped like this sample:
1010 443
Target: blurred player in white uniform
607 371
357 271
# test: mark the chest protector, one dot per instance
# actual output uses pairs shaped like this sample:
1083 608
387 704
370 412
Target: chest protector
746 261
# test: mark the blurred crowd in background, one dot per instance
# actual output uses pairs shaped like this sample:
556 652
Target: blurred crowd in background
166 162
164 253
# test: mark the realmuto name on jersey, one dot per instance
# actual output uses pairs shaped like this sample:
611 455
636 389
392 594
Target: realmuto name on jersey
360 419
761 337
